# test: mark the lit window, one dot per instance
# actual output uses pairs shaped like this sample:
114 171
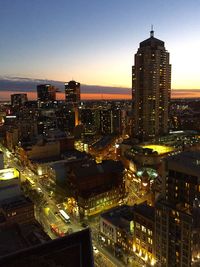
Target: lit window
143 229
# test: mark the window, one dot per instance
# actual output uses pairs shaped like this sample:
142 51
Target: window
137 225
149 232
143 229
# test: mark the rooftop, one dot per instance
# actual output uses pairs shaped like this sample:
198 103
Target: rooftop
152 41
123 215
119 216
17 237
74 250
103 142
15 202
92 168
145 210
186 162
160 149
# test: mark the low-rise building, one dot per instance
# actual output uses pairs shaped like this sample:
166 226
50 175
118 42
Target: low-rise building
143 238
96 187
129 231
17 209
116 229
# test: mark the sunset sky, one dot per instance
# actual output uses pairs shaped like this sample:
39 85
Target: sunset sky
94 41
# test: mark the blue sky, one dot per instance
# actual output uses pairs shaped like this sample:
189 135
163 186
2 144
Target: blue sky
94 41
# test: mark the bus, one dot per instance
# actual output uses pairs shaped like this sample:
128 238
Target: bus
64 216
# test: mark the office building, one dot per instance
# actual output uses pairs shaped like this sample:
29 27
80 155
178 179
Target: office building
96 187
90 118
128 231
117 228
46 93
110 121
72 92
18 100
177 216
143 238
151 83
72 96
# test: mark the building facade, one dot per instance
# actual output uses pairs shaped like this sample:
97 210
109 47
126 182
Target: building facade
178 212
72 96
45 93
96 187
151 83
128 231
18 100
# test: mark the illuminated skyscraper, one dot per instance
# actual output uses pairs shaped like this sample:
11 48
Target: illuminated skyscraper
72 96
151 85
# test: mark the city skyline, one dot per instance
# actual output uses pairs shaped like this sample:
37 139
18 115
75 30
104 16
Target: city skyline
94 43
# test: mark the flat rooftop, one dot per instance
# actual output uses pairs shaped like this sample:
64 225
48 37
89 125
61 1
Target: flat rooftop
17 237
186 162
15 202
74 250
160 149
117 216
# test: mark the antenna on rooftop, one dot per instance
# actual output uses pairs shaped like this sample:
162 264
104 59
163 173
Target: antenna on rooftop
152 31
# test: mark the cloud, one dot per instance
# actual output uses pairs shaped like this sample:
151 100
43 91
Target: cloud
9 85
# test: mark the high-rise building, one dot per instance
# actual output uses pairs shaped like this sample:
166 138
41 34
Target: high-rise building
110 120
177 216
46 92
72 96
72 92
90 118
18 100
151 83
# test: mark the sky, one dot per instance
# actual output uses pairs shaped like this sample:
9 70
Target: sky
94 41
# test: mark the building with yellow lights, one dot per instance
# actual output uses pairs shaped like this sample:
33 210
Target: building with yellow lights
96 187
177 215
151 85
128 231
149 155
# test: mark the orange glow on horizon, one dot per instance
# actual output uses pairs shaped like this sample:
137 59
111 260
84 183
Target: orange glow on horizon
5 95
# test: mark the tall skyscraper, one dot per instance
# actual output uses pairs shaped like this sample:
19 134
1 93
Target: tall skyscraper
46 92
72 92
72 96
151 86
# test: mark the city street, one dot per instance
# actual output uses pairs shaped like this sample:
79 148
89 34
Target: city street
47 211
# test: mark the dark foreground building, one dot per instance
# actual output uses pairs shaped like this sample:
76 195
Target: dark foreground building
74 250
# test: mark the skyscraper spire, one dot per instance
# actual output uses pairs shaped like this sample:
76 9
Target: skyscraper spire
152 31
